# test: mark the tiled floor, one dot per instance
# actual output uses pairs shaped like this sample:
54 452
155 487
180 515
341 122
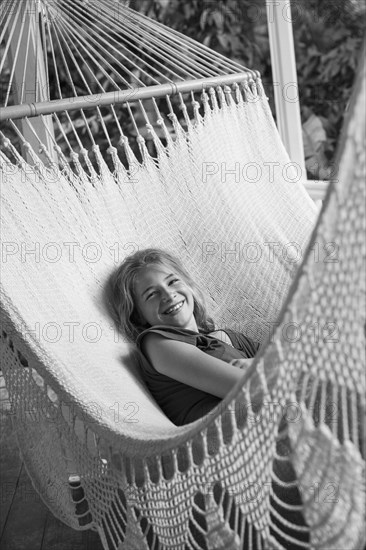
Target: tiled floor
25 522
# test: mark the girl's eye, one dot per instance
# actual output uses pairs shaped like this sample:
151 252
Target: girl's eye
151 294
173 281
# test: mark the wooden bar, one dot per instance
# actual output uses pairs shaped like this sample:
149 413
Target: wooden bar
120 96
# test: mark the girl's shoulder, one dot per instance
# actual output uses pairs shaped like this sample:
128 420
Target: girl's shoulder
170 332
204 341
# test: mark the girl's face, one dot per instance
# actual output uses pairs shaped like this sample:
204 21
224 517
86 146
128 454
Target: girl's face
163 298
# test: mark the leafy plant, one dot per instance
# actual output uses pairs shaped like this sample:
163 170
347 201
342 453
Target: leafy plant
327 37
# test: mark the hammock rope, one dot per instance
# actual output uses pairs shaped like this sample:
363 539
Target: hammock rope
158 56
207 178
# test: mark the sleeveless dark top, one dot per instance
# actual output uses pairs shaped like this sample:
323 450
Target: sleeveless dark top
182 403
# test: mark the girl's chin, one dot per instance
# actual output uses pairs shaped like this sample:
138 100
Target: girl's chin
174 320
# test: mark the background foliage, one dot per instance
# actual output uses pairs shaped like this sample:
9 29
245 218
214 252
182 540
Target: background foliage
327 34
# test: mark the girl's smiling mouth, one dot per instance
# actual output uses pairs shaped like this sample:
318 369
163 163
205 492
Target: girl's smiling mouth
174 308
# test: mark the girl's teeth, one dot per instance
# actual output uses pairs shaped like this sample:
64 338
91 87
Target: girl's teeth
175 308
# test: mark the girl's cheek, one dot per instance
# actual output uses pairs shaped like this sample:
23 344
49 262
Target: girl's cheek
185 287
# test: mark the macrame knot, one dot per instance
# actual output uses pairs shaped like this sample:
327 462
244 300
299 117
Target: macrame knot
150 128
236 92
183 107
204 98
246 89
112 150
227 90
6 142
196 110
160 122
140 139
251 84
123 140
220 96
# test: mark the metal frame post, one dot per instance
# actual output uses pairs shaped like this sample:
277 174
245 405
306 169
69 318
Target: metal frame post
285 79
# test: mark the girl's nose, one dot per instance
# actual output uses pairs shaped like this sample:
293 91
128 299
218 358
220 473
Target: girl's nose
167 294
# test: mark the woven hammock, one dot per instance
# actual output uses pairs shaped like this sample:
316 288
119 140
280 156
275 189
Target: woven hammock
191 162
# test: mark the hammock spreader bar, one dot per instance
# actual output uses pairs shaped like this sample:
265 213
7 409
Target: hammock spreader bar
96 100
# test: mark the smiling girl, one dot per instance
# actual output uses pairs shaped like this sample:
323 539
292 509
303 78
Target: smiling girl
187 366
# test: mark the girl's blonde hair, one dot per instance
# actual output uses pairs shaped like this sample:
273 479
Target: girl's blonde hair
120 295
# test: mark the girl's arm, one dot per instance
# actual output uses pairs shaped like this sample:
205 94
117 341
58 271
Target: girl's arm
190 365
241 363
238 363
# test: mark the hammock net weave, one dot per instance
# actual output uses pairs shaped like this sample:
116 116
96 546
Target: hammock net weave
201 171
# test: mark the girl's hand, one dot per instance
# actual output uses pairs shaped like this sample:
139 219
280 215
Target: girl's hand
241 363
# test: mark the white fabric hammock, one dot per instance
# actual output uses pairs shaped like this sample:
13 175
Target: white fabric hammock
79 406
